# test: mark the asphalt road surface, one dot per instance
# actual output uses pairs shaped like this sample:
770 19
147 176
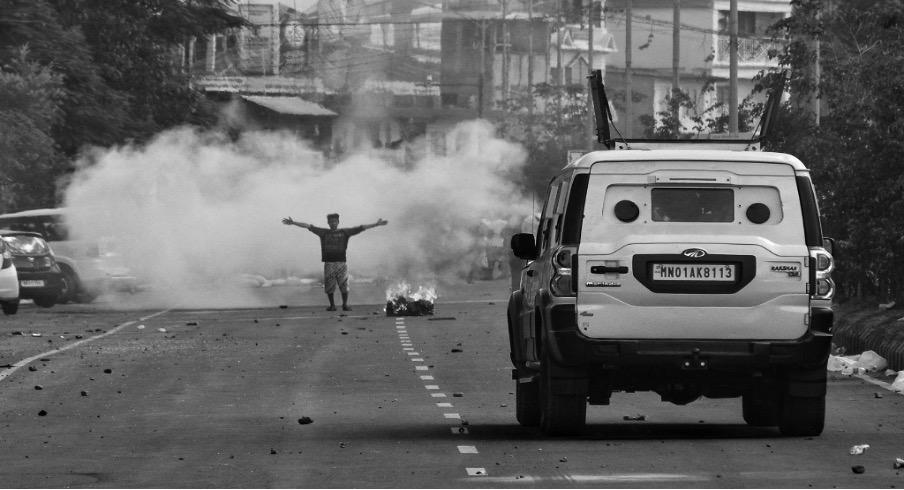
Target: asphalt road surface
294 396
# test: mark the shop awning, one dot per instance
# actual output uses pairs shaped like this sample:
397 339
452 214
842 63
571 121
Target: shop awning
295 106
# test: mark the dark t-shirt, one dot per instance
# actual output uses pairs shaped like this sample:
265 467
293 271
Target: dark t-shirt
333 243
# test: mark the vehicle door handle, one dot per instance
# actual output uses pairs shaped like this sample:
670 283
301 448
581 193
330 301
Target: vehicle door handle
602 269
530 273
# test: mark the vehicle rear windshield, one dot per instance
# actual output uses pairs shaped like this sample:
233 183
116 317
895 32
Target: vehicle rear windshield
693 205
26 245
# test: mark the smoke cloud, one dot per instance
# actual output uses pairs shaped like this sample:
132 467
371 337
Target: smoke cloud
196 211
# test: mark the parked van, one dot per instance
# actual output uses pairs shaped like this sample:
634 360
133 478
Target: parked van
89 267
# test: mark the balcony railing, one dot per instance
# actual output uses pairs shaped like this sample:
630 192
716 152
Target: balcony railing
750 51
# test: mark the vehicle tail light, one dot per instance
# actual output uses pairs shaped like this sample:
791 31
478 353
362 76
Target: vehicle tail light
7 258
562 282
821 267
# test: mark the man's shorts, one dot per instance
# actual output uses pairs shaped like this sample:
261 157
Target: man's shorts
335 274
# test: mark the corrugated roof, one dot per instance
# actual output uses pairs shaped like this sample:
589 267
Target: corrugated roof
295 106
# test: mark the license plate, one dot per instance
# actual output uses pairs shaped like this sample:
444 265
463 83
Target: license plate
694 272
31 284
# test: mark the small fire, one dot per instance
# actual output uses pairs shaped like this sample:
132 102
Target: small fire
402 301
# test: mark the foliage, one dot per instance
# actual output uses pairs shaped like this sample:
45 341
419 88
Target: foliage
118 70
548 121
30 97
697 116
857 149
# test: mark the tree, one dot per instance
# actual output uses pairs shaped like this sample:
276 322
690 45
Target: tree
556 124
30 96
857 149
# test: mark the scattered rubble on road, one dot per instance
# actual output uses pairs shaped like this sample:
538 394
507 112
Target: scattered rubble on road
859 449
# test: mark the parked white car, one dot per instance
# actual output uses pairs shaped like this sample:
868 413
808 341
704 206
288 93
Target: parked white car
9 282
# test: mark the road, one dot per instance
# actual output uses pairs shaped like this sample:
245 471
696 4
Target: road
289 395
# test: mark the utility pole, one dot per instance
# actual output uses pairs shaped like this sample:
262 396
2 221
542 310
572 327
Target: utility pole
629 100
560 76
591 134
505 51
733 69
530 61
676 55
483 67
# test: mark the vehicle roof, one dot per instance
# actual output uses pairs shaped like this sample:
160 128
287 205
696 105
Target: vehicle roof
20 232
688 154
34 212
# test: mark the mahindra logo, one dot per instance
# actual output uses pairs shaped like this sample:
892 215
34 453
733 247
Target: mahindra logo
694 253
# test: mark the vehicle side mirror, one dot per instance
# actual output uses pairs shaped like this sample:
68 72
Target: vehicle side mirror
524 246
829 245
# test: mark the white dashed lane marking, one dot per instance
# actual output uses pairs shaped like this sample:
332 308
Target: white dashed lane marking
459 429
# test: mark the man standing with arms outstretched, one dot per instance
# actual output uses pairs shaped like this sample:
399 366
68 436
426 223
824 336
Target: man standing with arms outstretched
333 244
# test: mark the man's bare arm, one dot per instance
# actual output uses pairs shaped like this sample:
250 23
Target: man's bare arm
380 222
290 221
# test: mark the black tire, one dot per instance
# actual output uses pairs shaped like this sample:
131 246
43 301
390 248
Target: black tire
803 410
70 285
759 410
560 414
802 417
84 296
10 307
527 403
45 301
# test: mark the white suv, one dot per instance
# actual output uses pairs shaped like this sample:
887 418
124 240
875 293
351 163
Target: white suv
686 271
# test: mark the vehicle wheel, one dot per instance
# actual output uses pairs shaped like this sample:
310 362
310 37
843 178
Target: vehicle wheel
69 285
560 414
804 415
44 301
759 410
10 307
83 296
527 403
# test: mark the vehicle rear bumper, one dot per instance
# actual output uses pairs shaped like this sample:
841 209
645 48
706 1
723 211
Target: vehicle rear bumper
571 348
53 285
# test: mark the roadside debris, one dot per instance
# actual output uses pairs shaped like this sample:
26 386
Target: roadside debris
637 417
305 420
161 330
42 413
859 469
899 463
867 362
859 448
898 383
192 324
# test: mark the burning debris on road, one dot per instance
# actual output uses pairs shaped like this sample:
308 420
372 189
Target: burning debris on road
401 301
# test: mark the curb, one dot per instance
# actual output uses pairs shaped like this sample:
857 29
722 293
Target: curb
885 340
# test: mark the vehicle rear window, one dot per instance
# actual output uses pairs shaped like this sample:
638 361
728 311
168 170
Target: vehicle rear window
26 245
692 205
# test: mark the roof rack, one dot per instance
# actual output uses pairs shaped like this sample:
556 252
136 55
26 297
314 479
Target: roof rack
604 119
